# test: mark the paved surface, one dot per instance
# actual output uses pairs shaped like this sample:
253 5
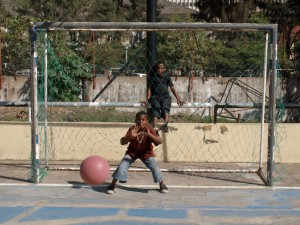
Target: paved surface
62 198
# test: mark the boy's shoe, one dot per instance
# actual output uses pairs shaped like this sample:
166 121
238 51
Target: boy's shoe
110 189
164 128
164 189
123 181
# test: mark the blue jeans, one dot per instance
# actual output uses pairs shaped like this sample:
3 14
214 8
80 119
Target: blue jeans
121 173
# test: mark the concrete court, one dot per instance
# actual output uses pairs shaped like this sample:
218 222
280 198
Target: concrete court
62 198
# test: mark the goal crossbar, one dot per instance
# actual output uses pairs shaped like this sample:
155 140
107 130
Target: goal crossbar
153 26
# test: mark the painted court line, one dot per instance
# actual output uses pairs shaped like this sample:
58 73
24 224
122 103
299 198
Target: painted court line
154 186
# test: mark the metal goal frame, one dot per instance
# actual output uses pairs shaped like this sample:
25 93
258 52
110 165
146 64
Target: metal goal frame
270 29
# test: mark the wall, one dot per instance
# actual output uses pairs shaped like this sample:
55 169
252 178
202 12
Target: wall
133 89
15 89
185 141
15 137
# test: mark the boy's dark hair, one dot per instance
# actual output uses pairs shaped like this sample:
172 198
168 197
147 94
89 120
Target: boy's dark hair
154 67
141 113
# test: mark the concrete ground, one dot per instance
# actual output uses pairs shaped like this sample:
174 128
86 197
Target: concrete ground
62 198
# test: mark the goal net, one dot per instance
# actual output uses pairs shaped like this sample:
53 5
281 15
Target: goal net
90 79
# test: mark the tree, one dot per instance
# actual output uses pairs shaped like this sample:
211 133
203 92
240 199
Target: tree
66 68
225 11
3 12
183 50
105 11
287 16
16 49
67 72
216 52
137 11
55 10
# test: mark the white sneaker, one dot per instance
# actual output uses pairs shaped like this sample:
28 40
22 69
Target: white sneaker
164 189
110 189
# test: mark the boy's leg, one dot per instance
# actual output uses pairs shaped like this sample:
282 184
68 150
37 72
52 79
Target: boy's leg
111 188
155 121
150 113
166 117
121 173
166 107
156 110
165 127
151 164
163 188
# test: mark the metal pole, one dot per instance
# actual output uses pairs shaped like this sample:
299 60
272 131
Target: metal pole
46 98
126 54
263 101
35 155
151 46
151 35
150 26
272 108
1 69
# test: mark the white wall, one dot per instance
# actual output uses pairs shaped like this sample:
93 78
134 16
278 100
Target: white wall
184 142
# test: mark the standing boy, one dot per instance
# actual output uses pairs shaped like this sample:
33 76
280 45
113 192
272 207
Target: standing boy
158 84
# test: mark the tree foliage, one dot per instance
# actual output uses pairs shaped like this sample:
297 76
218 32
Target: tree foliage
65 74
184 50
285 14
224 11
137 12
220 53
66 65
55 10
16 49
105 11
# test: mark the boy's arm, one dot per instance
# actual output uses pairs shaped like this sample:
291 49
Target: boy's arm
179 101
148 97
155 139
151 133
124 140
148 94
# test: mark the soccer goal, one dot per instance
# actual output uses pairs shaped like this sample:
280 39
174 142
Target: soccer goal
89 79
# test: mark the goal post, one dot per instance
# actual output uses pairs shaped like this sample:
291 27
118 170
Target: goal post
212 134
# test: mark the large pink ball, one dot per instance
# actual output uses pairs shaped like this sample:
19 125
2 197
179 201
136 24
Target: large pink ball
94 170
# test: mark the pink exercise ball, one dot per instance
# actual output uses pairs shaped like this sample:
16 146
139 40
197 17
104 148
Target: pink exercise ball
94 170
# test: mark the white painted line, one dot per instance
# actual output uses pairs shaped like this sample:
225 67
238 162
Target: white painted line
153 186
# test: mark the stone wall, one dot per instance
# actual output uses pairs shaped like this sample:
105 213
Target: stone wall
133 89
